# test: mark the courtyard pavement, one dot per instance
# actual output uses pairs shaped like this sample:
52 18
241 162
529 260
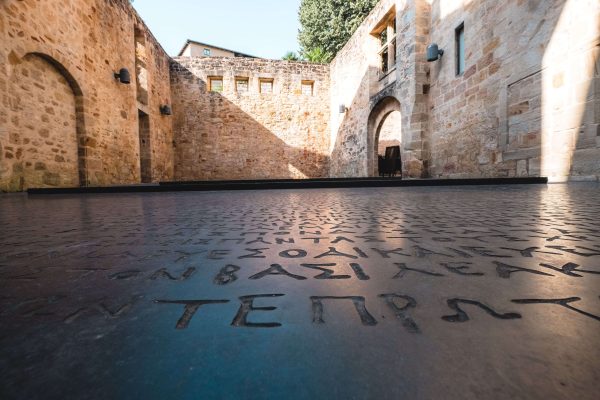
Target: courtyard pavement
392 293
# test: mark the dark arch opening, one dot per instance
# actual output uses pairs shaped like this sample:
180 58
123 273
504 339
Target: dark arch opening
377 118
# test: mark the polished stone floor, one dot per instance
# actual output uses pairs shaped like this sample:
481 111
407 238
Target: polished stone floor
399 293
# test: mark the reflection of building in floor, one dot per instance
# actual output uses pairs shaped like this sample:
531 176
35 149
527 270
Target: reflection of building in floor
515 93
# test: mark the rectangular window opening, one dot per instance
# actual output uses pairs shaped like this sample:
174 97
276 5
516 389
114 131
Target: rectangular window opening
241 85
266 85
216 84
385 60
460 49
386 35
207 52
308 88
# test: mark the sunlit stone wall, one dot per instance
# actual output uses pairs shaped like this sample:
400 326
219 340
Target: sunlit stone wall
359 84
64 119
247 130
527 104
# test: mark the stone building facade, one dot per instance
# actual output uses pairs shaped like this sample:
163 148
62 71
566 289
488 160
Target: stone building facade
526 104
516 93
243 118
64 118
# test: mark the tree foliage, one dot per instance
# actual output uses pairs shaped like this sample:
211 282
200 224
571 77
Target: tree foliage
328 24
318 55
291 56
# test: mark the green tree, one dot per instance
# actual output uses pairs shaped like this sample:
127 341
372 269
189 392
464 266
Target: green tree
291 56
328 24
318 55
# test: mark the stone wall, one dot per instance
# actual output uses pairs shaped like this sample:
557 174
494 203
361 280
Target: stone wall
359 84
246 134
527 104
353 73
64 119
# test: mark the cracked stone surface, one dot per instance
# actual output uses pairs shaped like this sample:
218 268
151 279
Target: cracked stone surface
416 293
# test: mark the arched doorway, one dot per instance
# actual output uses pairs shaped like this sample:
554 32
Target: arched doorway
384 130
46 125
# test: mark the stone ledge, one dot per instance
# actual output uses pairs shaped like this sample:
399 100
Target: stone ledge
288 184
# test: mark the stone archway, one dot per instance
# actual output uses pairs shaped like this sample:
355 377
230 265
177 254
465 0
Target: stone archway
385 121
46 126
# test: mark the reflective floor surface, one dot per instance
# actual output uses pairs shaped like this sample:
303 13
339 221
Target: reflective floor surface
398 293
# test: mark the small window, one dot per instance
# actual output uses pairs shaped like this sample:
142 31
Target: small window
266 85
308 88
216 84
387 43
207 52
385 60
460 49
241 85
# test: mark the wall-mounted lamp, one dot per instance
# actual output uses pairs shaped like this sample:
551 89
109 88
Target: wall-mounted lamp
434 53
123 76
165 110
343 109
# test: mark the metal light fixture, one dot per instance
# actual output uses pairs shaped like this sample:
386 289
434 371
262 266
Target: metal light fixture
343 108
123 76
434 53
165 110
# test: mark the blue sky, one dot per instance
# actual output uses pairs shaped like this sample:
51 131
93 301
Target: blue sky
263 28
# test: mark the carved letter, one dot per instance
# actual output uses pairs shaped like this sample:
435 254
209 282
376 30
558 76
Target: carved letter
293 253
276 269
333 252
226 275
386 253
560 302
505 270
359 272
568 269
359 305
241 318
191 306
327 273
462 316
256 253
406 320
403 268
165 274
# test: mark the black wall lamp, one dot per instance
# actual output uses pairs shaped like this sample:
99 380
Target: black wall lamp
165 110
123 76
434 53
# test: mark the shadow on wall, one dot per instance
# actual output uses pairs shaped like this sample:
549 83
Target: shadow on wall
349 152
370 124
215 139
